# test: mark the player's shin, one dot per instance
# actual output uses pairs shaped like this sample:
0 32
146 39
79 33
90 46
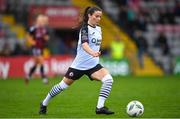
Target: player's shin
32 70
58 88
42 71
43 75
105 90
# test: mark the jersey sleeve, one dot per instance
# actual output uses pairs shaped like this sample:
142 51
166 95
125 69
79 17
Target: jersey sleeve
84 34
31 30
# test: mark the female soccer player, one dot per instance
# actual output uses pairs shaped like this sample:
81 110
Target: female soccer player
37 37
86 62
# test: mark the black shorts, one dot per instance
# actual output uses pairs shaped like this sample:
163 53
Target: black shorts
75 74
37 51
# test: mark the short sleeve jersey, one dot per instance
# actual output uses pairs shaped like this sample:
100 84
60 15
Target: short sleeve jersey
93 36
38 34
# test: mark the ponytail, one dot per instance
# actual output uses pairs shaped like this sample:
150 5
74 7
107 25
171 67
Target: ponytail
85 17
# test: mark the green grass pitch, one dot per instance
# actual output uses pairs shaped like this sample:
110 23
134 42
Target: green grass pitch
159 95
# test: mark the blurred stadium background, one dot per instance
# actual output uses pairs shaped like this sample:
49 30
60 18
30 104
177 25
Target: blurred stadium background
156 22
140 38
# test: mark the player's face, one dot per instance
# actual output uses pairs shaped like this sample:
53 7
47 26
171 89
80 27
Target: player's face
46 20
42 21
95 17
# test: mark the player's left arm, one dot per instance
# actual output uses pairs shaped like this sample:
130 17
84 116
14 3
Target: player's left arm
46 37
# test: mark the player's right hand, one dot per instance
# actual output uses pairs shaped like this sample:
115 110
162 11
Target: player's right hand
96 54
33 43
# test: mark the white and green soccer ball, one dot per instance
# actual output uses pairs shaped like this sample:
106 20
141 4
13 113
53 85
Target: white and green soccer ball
135 108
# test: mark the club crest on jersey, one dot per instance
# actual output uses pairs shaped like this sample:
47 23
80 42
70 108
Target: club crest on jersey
71 74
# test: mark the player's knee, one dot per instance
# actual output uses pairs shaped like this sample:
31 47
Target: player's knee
107 78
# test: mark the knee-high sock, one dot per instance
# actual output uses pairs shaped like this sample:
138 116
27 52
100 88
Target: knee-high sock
32 70
58 88
42 71
105 90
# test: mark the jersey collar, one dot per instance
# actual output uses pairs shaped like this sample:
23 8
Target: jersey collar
92 26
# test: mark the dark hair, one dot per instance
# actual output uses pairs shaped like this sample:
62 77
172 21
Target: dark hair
89 10
84 18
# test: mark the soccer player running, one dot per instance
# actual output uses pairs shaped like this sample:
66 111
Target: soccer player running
86 62
38 37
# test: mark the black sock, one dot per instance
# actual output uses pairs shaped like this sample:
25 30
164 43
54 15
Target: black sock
42 71
32 70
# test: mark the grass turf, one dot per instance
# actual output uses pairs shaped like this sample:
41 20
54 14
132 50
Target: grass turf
159 95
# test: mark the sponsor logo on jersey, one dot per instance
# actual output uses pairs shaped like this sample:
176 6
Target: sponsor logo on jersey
96 41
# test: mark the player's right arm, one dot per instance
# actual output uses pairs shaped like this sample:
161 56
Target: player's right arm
84 41
89 50
30 38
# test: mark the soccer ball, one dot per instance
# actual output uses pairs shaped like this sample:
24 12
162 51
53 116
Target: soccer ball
135 108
